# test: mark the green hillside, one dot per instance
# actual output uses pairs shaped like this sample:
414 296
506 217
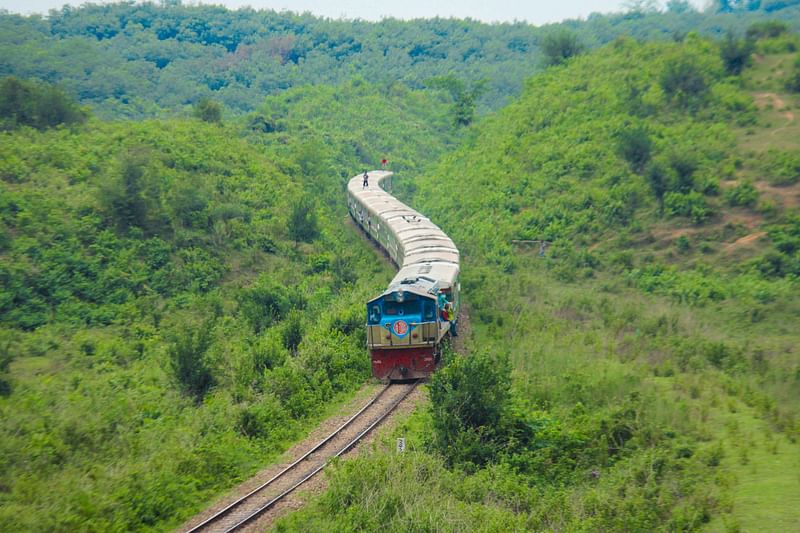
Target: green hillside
643 374
179 303
181 298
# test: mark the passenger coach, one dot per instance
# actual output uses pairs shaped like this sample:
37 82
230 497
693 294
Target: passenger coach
408 322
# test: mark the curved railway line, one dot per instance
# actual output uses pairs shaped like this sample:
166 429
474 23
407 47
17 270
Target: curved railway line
419 306
246 510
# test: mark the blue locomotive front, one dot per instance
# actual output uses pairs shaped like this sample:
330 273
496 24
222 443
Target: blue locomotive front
404 326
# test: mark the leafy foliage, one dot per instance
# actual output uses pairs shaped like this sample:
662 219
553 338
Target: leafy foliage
187 354
684 82
152 59
744 194
208 110
736 53
26 103
560 45
469 399
793 79
303 220
635 147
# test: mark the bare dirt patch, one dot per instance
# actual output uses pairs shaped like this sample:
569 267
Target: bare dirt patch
764 100
744 241
786 196
675 233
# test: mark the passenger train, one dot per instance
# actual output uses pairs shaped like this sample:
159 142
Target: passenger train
407 324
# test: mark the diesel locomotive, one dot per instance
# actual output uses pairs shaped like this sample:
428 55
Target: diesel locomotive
407 324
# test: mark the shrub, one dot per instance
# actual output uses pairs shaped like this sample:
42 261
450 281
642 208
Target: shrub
560 45
292 333
744 194
793 81
684 83
683 164
132 197
735 53
187 356
783 167
783 44
657 178
208 110
26 103
303 225
691 204
264 303
767 29
469 397
6 357
635 146
263 419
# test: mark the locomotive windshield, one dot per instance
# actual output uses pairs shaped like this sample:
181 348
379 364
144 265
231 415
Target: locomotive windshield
401 308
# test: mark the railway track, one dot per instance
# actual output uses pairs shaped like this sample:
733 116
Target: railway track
247 509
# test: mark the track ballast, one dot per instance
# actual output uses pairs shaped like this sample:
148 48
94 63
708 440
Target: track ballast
246 510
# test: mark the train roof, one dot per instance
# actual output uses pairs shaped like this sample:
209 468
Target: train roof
430 256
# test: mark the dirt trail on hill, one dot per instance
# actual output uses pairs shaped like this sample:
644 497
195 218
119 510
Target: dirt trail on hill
747 239
762 99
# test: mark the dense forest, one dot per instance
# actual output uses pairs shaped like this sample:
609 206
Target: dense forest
145 60
182 295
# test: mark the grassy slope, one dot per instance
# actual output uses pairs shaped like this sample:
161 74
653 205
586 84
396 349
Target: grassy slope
692 349
767 489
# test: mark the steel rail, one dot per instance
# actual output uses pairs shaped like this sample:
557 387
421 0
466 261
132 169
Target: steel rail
255 514
223 512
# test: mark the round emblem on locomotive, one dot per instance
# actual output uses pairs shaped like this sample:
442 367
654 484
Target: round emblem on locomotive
400 328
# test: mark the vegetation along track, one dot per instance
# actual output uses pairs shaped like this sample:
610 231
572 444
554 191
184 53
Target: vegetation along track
245 510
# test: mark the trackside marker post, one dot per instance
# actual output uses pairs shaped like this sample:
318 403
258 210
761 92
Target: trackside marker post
401 445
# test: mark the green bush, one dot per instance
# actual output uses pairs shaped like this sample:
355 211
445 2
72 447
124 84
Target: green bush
27 103
782 44
767 29
744 194
635 147
736 53
187 356
264 302
559 45
302 223
684 82
692 205
208 110
782 167
469 398
133 195
793 78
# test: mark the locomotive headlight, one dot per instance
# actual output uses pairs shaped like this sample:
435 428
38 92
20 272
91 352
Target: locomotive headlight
401 296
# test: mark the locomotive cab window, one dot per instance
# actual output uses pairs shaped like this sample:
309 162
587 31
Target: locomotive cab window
428 310
375 314
403 308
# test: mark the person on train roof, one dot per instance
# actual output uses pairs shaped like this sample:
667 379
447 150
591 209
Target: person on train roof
366 180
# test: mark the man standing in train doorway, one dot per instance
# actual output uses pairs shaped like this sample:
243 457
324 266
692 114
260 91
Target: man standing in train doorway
365 184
